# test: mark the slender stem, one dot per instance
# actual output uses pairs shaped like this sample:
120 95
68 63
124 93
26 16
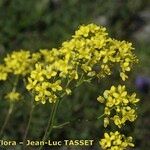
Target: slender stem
11 106
50 122
101 116
15 84
74 120
7 118
80 81
28 125
61 125
104 113
53 114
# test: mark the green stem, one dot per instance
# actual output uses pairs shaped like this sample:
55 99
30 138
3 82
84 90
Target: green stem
7 118
101 116
105 114
11 106
15 84
61 125
53 114
50 122
80 81
74 120
28 125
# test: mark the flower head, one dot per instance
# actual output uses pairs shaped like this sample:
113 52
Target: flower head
120 106
20 62
89 53
115 141
13 96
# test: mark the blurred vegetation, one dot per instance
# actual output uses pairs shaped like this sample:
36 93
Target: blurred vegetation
45 24
42 24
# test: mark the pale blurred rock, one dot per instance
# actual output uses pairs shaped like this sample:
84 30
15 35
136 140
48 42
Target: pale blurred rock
144 33
101 20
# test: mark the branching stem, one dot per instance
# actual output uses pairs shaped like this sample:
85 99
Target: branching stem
50 122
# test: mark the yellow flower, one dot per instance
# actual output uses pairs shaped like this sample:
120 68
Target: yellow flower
120 103
56 86
106 122
31 84
101 99
115 141
49 56
123 76
13 96
89 53
3 72
50 72
68 91
21 62
117 121
39 83
38 73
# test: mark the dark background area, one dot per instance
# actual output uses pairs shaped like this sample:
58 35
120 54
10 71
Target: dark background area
44 24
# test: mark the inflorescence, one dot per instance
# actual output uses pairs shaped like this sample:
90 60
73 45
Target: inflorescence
90 53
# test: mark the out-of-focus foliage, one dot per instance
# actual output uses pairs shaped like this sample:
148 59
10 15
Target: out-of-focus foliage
124 18
43 24
46 23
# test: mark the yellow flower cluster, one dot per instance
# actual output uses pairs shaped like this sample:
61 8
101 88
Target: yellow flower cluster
90 53
49 56
13 96
119 105
115 141
123 55
39 83
93 52
3 72
20 62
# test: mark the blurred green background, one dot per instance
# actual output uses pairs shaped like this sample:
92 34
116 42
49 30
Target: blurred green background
41 24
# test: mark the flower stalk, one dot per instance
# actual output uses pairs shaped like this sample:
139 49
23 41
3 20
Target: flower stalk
11 106
50 122
28 125
12 96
